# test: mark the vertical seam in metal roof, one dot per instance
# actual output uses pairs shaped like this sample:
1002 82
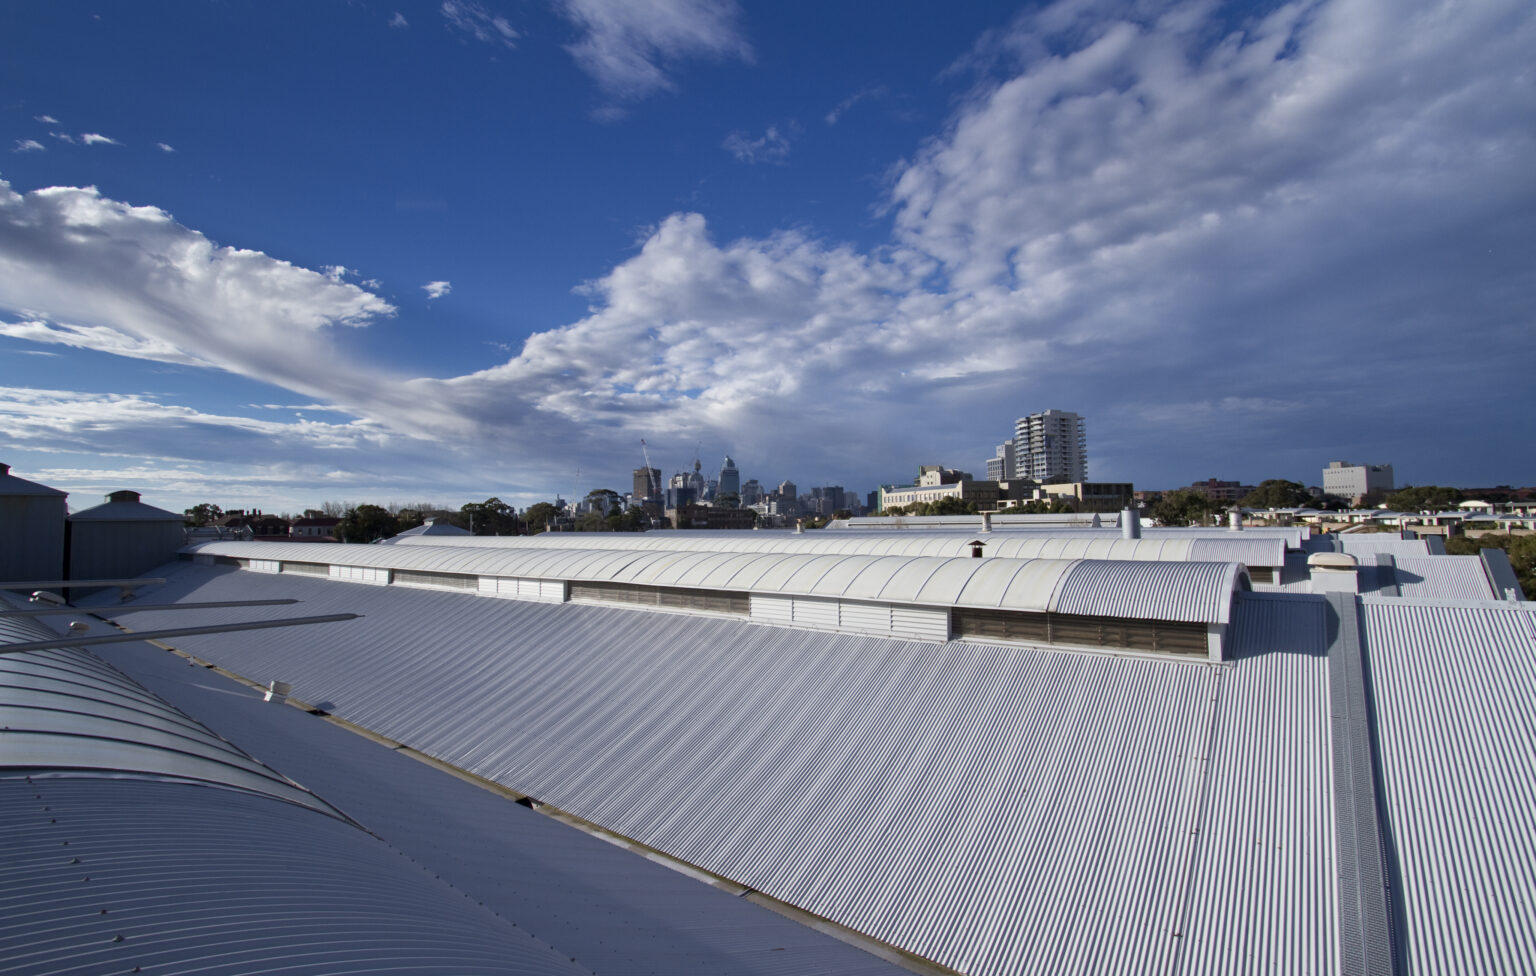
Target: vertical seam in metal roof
1365 929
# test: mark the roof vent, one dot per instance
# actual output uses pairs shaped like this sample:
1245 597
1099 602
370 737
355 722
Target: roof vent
123 496
1333 572
1130 523
277 691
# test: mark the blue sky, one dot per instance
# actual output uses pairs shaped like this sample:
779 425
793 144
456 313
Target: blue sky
270 254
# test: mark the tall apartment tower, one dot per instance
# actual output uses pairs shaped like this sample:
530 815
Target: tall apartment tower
730 478
1051 447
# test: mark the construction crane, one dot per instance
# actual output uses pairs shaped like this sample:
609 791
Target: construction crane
652 490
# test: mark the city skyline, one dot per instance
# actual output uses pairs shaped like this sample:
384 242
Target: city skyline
271 256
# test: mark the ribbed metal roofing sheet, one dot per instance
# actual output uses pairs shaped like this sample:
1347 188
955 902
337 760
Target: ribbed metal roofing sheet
109 875
1159 591
1251 548
1263 896
1369 544
1443 578
1455 697
1156 590
995 809
68 711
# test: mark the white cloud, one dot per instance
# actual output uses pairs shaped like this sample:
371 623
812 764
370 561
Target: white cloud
630 46
842 107
165 148
45 119
436 289
771 147
97 139
96 273
473 19
398 21
28 145
63 137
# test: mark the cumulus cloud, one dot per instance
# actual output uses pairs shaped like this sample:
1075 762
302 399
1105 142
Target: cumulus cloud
437 289
629 47
97 139
28 145
771 147
1168 221
473 19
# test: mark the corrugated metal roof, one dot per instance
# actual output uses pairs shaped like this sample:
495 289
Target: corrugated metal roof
1263 896
125 511
125 875
1155 590
1455 697
68 711
1442 578
1249 547
935 796
1370 544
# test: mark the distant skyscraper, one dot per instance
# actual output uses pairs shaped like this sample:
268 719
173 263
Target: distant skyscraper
751 492
647 483
730 478
1051 447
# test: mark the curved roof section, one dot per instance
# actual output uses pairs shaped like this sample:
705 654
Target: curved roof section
1184 591
68 712
1248 548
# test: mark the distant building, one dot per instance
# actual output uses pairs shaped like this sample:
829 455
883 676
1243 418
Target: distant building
983 493
1223 491
1093 496
751 492
1051 447
1003 465
647 483
1357 482
730 478
314 527
692 516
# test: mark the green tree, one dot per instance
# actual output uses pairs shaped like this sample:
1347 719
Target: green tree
1424 498
1520 548
490 517
1181 507
1277 493
729 500
367 523
201 514
538 517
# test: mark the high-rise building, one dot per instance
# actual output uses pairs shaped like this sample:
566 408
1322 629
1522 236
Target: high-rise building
1001 467
647 483
1051 447
730 478
751 492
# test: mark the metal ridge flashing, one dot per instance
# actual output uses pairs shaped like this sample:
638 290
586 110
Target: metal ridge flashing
1366 938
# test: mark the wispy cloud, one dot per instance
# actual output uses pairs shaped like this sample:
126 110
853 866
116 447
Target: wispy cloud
398 21
436 289
771 147
842 107
474 19
63 137
28 145
97 139
45 119
630 47
165 148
